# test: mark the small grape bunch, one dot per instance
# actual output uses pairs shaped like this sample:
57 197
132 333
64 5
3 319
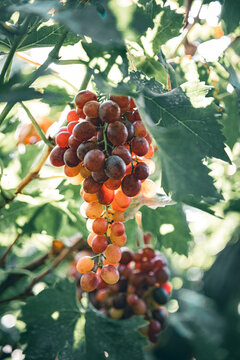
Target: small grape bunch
106 148
143 289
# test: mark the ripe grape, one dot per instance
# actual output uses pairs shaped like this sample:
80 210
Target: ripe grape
122 101
148 252
91 186
160 295
94 210
71 171
150 152
139 129
109 111
100 226
120 300
132 299
112 184
105 196
136 115
56 156
122 200
89 281
127 257
123 153
84 147
113 253
88 197
94 160
140 307
130 128
85 264
84 131
109 274
118 216
62 139
70 158
140 146
149 188
90 238
115 167
73 143
117 133
84 171
99 243
99 176
162 275
118 240
72 116
117 228
80 113
116 313
84 96
71 126
131 186
90 109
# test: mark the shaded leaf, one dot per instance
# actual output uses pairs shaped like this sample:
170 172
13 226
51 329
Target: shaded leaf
179 238
118 338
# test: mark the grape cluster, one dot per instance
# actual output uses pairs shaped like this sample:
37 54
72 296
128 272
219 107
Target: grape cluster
143 289
107 148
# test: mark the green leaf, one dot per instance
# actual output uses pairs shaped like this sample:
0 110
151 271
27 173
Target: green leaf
153 68
51 318
55 95
134 235
179 238
230 14
26 159
230 119
120 339
77 20
144 15
169 26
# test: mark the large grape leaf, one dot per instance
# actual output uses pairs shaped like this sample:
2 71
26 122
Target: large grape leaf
230 14
179 238
170 24
113 339
230 120
93 20
51 318
144 15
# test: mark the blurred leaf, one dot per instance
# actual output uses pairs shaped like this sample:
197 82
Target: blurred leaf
179 238
51 318
169 27
153 68
77 19
133 233
230 120
118 338
27 158
230 14
55 95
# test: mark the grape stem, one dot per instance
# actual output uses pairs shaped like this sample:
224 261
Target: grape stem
105 139
5 254
36 126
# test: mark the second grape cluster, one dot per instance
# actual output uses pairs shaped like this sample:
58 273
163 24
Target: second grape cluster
107 148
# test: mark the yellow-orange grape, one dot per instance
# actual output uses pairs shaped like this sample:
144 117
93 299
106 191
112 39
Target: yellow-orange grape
113 253
85 264
149 188
101 295
71 171
109 274
116 313
100 226
84 172
150 152
76 180
88 197
112 184
83 209
105 262
151 165
90 238
122 200
94 210
116 207
118 240
89 281
117 228
89 225
118 216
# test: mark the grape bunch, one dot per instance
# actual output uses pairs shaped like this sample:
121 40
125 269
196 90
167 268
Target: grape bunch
107 148
143 289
